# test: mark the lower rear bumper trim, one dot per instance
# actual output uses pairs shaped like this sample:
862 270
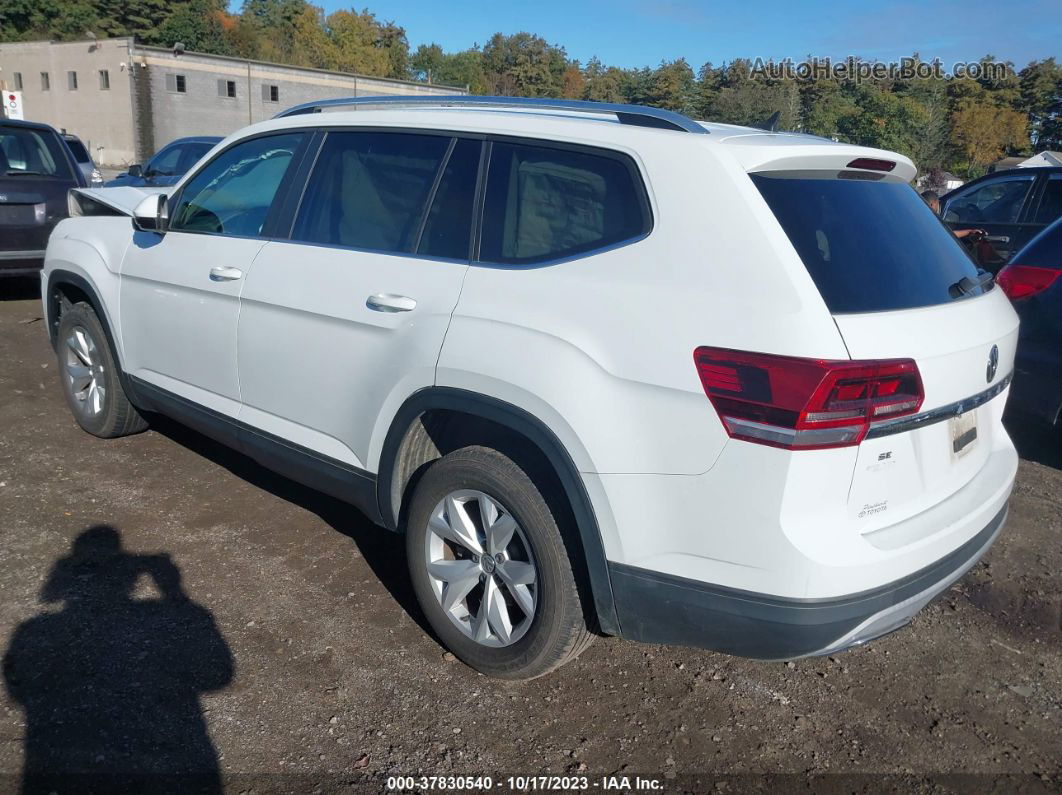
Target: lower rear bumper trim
654 607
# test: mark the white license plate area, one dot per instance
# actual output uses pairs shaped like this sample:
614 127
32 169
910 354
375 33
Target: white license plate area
962 434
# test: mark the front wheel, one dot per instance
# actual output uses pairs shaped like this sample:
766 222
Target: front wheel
490 568
88 372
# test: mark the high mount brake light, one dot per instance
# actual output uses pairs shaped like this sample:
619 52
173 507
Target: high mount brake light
872 164
1022 281
805 404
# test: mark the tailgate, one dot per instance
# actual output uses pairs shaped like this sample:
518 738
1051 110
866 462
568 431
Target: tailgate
965 354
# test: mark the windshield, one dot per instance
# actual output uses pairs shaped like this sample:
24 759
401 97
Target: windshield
869 242
28 152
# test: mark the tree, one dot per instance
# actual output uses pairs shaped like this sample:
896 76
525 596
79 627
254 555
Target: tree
199 25
523 65
1041 97
982 134
673 86
427 61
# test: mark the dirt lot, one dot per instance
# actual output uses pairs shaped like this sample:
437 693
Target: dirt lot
168 605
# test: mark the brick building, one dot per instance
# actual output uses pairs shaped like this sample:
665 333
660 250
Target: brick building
125 101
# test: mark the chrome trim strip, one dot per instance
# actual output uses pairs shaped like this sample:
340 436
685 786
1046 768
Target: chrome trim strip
33 254
639 115
903 424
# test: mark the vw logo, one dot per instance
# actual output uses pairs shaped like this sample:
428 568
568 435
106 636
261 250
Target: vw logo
993 363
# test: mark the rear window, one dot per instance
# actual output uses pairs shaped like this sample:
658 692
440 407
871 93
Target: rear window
870 243
78 149
28 152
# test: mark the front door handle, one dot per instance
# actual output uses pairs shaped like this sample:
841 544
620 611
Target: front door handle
997 238
388 302
222 274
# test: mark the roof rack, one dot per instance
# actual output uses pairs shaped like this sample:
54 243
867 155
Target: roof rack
637 115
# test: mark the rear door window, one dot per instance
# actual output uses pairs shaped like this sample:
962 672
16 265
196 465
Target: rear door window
368 190
1051 201
997 201
870 245
448 225
545 203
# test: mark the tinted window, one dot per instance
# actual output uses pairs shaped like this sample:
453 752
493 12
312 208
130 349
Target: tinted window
232 194
449 222
28 152
78 149
369 190
190 154
870 245
1051 201
165 162
1045 250
993 202
544 203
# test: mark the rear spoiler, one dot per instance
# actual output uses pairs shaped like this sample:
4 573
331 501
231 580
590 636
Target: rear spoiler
108 201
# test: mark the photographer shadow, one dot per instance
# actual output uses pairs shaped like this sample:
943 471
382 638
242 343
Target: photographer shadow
110 684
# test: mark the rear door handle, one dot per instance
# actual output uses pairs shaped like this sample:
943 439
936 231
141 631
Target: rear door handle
997 238
222 274
388 302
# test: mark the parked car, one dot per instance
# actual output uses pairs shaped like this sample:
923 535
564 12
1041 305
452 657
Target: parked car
1033 280
36 171
84 160
609 369
167 165
1011 206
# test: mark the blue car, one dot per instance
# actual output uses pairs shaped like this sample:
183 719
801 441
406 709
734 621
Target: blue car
168 164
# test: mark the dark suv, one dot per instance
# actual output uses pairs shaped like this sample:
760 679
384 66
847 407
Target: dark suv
36 171
1012 206
168 165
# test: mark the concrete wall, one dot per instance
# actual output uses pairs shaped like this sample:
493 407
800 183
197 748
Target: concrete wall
201 110
143 111
99 117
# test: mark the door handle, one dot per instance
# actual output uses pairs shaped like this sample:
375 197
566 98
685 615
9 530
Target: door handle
388 302
997 238
222 274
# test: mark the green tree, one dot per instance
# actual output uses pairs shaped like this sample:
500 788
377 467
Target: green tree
523 65
1041 98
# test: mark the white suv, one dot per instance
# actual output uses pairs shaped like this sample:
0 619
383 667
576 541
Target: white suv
609 369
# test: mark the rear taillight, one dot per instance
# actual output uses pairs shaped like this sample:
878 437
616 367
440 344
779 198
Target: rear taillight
1021 281
805 404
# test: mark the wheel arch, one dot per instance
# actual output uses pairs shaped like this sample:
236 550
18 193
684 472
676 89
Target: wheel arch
409 446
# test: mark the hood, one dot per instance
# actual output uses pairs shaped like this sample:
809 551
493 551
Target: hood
123 199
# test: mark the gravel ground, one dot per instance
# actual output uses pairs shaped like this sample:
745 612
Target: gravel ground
170 607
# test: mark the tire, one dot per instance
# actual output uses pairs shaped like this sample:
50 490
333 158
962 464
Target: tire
546 625
88 374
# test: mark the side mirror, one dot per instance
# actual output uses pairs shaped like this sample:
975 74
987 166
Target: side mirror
151 214
135 170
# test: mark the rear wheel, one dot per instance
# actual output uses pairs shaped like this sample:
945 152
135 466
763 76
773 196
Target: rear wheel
88 373
490 568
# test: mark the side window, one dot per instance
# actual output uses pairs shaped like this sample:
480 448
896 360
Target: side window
997 201
1051 201
164 163
368 190
448 225
544 203
232 194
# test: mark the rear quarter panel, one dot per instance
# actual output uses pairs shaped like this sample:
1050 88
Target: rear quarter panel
600 348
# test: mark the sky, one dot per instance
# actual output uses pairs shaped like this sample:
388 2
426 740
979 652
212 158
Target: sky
628 33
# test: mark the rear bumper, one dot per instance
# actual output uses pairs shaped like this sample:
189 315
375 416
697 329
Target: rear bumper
653 607
20 263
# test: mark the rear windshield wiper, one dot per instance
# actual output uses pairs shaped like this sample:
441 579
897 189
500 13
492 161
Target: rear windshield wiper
968 286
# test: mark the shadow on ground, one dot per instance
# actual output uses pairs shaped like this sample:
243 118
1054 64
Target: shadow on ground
110 683
384 551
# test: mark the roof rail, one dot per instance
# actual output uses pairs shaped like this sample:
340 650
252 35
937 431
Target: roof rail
638 115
